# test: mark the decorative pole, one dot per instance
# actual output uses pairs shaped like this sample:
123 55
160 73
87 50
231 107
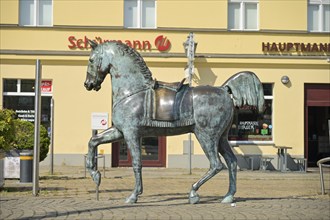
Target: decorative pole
190 48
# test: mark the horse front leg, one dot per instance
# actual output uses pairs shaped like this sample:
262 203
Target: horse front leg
134 146
110 135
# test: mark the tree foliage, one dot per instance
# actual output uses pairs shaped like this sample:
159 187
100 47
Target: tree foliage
19 134
24 137
7 130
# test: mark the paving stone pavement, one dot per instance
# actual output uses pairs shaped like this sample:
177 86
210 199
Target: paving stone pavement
260 195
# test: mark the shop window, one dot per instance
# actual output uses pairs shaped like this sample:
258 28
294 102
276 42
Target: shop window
35 12
18 95
140 13
10 85
149 149
319 15
27 86
243 14
249 125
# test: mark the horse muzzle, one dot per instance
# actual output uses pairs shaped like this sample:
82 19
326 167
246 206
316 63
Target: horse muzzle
90 86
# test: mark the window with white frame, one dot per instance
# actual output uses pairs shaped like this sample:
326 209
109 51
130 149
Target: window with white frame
319 15
36 12
249 125
243 14
140 13
18 95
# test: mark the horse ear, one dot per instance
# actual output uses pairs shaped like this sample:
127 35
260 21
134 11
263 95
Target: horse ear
92 43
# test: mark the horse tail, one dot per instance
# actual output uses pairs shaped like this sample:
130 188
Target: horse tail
246 89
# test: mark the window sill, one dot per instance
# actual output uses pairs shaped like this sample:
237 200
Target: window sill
140 28
244 30
34 26
236 143
321 32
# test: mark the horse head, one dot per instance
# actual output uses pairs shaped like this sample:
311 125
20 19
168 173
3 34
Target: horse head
97 69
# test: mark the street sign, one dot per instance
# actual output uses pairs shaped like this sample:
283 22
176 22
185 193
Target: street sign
100 120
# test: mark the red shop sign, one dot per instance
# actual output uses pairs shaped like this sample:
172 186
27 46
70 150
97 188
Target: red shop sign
46 86
161 43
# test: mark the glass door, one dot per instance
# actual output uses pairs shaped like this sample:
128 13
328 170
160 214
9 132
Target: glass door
318 134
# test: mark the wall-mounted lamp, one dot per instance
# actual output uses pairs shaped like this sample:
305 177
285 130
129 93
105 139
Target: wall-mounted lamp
285 80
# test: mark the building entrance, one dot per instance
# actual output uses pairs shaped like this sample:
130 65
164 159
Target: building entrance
153 152
317 122
318 134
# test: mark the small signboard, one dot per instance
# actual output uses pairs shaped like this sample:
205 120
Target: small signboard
46 86
100 120
12 167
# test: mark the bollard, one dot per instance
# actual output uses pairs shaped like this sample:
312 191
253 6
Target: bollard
26 166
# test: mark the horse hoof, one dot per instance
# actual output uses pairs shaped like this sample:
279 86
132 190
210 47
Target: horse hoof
131 200
97 177
194 200
228 199
193 197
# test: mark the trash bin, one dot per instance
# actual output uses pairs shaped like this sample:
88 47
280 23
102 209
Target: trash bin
26 166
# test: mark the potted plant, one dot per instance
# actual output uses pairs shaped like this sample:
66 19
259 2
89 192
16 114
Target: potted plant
17 134
7 135
24 143
24 138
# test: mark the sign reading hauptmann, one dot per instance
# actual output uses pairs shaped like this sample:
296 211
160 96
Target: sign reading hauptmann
290 47
161 43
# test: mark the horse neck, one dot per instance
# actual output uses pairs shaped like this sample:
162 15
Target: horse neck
129 73
125 85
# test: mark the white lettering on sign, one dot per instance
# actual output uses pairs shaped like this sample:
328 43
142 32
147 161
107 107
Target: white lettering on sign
248 125
25 115
46 86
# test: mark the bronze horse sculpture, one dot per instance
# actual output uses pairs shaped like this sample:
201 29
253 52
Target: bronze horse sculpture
144 107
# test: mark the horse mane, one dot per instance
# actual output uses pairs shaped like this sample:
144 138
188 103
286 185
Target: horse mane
136 57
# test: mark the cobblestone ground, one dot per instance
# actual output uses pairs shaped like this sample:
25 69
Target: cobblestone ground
260 195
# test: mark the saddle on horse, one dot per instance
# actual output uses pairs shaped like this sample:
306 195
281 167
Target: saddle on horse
165 100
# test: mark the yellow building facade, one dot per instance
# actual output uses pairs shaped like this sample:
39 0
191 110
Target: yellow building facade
271 38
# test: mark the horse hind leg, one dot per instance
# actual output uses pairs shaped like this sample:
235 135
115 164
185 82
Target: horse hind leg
210 149
231 161
110 135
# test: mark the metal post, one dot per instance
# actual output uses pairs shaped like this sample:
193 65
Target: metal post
189 136
37 113
321 178
94 133
52 136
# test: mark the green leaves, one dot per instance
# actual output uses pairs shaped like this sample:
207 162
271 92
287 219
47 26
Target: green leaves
19 134
7 132
24 137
